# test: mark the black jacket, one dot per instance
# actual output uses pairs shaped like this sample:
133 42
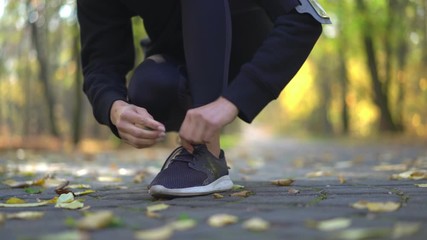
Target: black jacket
108 51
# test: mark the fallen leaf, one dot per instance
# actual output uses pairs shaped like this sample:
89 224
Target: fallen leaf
377 206
15 200
67 201
405 229
422 185
139 177
412 175
283 182
152 214
86 192
318 174
293 191
256 224
391 167
31 190
96 220
71 205
109 179
68 235
26 215
183 224
329 225
342 179
15 184
217 196
157 207
221 220
363 233
237 187
22 205
244 193
79 186
160 233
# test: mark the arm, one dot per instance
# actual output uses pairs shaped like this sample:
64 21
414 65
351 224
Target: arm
107 56
274 64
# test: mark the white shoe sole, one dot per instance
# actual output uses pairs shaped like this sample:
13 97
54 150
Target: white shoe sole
223 183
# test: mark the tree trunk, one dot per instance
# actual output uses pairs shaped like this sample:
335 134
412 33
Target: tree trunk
379 90
39 43
78 96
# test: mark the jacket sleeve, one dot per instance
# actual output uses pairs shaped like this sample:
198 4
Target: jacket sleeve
274 64
107 54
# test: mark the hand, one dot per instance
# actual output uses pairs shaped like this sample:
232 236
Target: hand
135 125
202 124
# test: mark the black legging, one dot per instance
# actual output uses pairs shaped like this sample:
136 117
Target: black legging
212 36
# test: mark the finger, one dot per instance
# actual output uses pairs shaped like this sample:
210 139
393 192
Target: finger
137 142
188 146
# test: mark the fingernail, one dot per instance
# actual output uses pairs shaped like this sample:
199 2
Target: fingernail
161 128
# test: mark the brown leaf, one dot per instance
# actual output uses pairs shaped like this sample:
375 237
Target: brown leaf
244 193
283 182
293 191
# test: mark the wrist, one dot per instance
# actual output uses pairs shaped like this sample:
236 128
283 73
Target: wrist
115 110
229 107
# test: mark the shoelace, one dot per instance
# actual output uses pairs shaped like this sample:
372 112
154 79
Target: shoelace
174 156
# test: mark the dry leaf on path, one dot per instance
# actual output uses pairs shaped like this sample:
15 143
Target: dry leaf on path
412 175
293 191
283 182
318 174
183 224
161 233
330 224
256 224
24 205
217 196
96 220
404 229
2 218
244 193
15 200
237 187
377 206
422 185
67 201
157 207
221 220
26 215
68 235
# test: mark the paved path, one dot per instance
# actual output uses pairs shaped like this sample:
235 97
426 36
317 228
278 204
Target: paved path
329 177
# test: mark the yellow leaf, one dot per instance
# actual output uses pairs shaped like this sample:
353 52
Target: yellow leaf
160 233
96 220
79 186
217 196
15 200
391 167
402 229
282 182
256 224
237 187
244 193
377 206
412 174
422 185
184 224
221 220
152 214
89 191
28 215
109 179
70 205
14 184
318 174
330 225
21 205
342 179
157 207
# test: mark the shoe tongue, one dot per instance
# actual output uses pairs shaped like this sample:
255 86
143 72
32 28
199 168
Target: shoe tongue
183 155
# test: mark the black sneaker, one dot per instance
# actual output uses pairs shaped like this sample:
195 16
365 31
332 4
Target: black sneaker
186 174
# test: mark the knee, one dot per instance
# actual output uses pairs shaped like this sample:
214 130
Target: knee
153 82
